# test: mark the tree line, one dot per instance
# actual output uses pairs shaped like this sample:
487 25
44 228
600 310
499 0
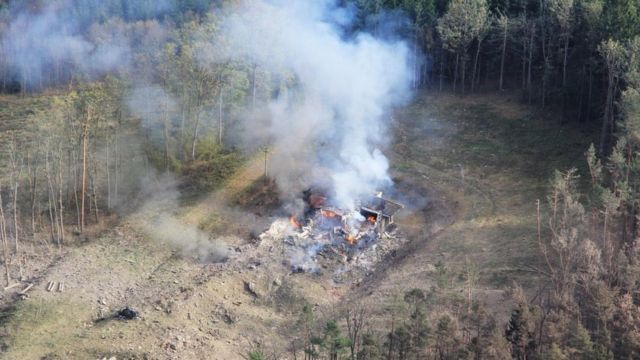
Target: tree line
565 54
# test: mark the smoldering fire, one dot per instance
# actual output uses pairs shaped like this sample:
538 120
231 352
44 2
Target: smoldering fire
322 226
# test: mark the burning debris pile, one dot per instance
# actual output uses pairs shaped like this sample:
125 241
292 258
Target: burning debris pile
330 232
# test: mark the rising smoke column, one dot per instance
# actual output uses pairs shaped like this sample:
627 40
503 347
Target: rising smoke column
332 126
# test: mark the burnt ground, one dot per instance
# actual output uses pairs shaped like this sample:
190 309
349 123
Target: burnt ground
469 170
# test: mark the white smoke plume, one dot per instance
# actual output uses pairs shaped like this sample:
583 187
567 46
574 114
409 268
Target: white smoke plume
332 127
156 220
50 43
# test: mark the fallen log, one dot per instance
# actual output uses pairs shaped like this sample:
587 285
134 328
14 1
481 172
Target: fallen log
24 291
51 285
11 286
61 286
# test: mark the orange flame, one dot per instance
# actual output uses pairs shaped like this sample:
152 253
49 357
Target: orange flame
350 239
372 219
294 222
328 213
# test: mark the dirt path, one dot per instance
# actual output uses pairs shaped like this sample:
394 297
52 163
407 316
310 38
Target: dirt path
250 172
212 213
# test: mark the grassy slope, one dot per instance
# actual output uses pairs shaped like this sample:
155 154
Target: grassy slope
490 159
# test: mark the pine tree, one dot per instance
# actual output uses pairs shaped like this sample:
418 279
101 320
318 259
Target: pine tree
519 331
333 342
369 349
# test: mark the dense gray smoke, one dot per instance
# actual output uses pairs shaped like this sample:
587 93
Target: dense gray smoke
64 38
331 128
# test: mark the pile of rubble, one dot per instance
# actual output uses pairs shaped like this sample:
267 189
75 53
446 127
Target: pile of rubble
329 237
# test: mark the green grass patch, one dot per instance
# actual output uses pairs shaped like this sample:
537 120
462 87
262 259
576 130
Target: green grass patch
499 156
210 172
43 326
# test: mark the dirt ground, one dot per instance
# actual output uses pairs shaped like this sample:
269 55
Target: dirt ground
469 170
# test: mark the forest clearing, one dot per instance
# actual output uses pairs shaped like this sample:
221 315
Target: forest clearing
185 306
359 179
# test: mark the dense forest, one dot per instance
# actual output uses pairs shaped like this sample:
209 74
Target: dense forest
125 90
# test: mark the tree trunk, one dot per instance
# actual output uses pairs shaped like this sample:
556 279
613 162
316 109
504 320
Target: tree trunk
93 178
3 235
391 337
415 58
85 133
547 60
524 63
75 188
17 174
183 119
60 197
165 123
529 90
455 73
475 64
564 74
116 165
606 118
53 218
33 185
464 67
564 62
544 83
441 70
427 73
194 141
503 55
580 99
108 167
590 92
220 119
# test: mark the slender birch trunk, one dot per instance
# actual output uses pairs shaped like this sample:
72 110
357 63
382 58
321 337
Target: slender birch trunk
60 198
83 183
3 235
504 52
220 118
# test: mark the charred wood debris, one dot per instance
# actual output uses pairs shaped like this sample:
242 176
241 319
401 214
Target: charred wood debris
325 234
